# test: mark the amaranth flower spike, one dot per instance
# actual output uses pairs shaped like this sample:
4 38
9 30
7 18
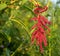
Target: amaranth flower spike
40 27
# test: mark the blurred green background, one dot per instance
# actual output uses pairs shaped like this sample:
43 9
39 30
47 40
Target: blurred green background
15 28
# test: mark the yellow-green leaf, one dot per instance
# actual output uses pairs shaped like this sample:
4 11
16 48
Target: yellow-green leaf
3 6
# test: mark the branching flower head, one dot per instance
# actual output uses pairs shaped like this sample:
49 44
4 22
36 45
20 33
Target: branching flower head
42 23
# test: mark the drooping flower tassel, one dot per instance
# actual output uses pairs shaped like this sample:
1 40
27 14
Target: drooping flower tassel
42 23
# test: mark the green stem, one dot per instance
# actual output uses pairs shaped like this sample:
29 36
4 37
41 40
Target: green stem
22 24
49 50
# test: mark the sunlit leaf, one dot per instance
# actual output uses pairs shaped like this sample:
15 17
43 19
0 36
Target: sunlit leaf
24 1
3 6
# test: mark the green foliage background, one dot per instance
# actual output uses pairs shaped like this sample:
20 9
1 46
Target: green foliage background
15 28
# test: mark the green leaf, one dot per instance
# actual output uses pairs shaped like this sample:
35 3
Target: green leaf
3 6
7 52
24 1
26 7
7 37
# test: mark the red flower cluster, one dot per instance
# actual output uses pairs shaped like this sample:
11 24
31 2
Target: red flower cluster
40 34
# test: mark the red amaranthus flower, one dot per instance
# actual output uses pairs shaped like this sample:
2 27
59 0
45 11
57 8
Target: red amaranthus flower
40 34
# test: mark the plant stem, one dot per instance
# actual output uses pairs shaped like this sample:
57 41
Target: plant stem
22 24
